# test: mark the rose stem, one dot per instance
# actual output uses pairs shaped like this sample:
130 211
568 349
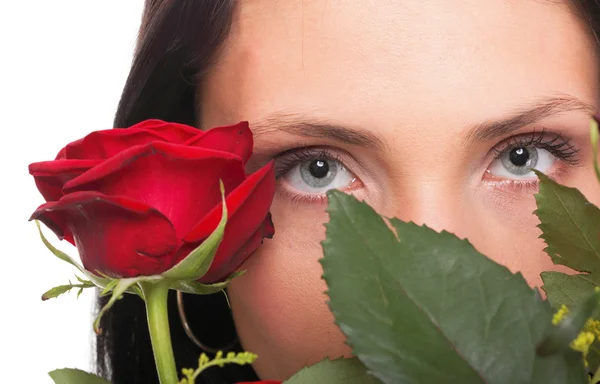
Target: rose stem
155 296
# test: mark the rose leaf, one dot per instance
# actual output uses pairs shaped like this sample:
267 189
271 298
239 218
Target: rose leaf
570 227
339 371
75 376
426 307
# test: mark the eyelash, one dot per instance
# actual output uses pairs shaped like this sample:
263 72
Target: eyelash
287 160
556 144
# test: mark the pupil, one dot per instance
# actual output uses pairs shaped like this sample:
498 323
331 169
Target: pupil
318 168
519 156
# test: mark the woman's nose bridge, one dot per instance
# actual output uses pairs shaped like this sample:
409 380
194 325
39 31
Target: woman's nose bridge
438 204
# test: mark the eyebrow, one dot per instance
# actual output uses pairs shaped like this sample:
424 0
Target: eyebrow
300 125
542 109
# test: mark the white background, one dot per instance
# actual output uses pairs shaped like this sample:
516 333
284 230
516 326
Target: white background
63 64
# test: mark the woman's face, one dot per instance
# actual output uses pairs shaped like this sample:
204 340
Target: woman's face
431 111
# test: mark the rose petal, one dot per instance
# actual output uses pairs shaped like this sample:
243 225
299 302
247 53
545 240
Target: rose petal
51 176
236 139
248 206
107 143
115 235
221 271
181 182
175 132
56 221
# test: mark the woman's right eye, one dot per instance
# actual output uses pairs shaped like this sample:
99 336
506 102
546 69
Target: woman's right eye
316 173
317 176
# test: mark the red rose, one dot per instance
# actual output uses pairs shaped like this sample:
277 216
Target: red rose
136 201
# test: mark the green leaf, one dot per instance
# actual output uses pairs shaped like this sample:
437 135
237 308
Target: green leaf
596 378
75 376
196 264
593 356
57 291
339 371
560 369
430 309
594 135
560 336
570 227
566 289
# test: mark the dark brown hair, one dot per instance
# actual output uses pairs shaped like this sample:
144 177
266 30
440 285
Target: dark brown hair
178 41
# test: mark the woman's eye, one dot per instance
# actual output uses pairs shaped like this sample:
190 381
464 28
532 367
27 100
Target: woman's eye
318 175
517 162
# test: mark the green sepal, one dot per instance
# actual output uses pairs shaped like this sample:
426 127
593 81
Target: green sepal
560 337
109 287
197 288
98 281
111 282
196 264
119 287
135 289
59 290
339 371
594 136
75 376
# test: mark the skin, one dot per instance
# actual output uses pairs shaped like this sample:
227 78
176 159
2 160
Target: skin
419 76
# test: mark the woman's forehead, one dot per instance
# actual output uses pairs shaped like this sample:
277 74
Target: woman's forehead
390 58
